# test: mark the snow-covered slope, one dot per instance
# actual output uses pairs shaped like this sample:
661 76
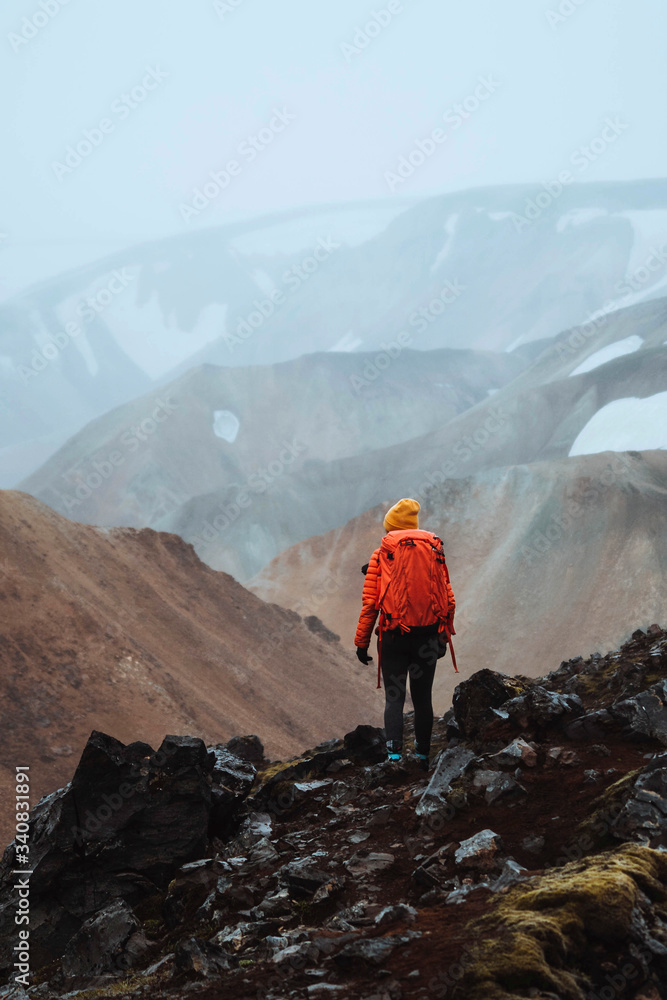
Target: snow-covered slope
629 424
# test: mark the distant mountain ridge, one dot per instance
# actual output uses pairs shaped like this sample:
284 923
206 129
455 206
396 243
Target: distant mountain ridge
241 430
536 417
388 272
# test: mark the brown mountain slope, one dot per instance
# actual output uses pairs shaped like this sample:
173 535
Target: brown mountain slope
127 631
545 559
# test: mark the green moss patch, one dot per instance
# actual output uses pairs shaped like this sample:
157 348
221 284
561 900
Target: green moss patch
555 932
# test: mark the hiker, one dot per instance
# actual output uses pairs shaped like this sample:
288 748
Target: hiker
407 584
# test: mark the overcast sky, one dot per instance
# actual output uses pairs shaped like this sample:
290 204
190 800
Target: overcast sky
350 106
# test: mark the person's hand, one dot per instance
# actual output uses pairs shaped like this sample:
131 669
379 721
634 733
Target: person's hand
362 654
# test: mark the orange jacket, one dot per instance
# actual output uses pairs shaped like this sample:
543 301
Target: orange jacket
370 600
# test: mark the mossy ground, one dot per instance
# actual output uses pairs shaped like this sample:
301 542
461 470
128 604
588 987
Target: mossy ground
562 931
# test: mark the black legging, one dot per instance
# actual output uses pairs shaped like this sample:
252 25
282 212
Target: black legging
412 654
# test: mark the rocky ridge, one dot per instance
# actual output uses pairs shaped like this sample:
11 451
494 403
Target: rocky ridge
530 862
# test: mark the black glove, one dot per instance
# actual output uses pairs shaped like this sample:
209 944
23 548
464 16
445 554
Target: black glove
364 568
362 654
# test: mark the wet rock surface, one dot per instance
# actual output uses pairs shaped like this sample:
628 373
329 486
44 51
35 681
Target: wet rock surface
525 860
119 831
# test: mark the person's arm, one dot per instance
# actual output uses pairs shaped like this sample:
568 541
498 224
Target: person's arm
369 609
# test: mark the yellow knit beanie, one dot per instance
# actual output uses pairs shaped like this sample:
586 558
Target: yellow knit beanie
403 516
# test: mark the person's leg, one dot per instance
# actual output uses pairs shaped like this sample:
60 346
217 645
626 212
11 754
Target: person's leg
422 671
394 664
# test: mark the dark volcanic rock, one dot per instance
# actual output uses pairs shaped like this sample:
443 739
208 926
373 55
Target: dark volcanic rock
201 957
129 819
645 714
366 743
335 853
303 879
539 707
451 765
232 780
479 851
375 950
524 704
191 888
643 816
110 942
248 748
475 700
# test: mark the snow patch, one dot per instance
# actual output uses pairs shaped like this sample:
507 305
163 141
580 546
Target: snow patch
226 425
608 353
263 281
153 340
83 345
578 217
500 216
346 344
515 343
450 229
629 424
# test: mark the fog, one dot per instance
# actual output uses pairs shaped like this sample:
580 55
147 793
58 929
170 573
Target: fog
183 90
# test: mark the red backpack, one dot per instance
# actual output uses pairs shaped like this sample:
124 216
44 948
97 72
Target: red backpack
414 583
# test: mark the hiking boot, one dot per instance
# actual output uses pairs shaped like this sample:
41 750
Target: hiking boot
394 750
421 758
